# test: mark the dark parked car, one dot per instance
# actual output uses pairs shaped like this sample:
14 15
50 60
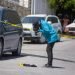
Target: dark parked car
10 32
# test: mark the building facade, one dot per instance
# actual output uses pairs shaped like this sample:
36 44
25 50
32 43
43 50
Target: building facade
25 7
14 4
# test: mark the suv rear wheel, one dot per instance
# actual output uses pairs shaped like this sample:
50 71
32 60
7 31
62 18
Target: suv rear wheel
18 50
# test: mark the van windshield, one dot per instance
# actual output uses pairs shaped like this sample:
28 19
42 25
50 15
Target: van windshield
52 19
32 19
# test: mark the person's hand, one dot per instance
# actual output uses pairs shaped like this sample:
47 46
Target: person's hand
35 29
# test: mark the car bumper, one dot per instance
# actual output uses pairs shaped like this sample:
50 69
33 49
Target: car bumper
30 37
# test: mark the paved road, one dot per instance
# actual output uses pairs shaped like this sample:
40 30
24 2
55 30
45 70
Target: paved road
64 60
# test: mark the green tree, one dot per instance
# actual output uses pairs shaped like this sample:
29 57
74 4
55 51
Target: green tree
63 6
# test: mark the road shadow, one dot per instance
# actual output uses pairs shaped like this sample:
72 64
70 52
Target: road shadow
65 60
60 59
29 42
57 67
53 67
10 56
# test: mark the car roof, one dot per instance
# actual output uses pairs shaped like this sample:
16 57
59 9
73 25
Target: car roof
37 15
40 15
5 8
51 16
71 25
1 8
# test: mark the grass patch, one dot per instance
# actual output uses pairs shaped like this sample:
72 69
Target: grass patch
68 36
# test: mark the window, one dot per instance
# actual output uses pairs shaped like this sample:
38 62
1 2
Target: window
11 17
52 19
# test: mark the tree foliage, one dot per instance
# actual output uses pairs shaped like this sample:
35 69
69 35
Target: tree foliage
65 4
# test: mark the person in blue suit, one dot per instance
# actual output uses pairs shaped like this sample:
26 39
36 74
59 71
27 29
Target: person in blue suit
50 35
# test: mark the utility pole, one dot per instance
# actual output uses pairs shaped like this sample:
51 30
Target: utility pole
23 3
33 6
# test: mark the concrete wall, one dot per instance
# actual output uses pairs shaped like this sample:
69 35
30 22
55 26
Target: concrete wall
34 7
21 10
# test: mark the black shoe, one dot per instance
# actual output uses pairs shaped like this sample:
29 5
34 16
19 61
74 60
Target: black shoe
47 65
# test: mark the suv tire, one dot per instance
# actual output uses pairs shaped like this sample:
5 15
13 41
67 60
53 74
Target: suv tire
1 48
18 50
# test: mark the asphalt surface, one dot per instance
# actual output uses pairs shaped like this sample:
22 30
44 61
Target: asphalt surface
35 54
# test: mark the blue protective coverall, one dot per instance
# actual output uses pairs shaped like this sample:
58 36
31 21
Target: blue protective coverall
48 32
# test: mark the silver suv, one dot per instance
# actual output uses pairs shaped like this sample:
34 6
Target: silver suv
28 21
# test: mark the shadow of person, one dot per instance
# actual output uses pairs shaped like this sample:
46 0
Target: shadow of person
57 67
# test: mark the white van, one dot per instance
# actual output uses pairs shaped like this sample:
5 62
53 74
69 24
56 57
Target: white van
28 21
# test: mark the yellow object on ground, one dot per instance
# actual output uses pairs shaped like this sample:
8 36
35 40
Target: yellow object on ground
21 65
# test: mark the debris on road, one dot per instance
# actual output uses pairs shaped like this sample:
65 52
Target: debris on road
27 65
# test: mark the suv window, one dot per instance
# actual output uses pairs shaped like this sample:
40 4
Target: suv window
12 18
52 19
